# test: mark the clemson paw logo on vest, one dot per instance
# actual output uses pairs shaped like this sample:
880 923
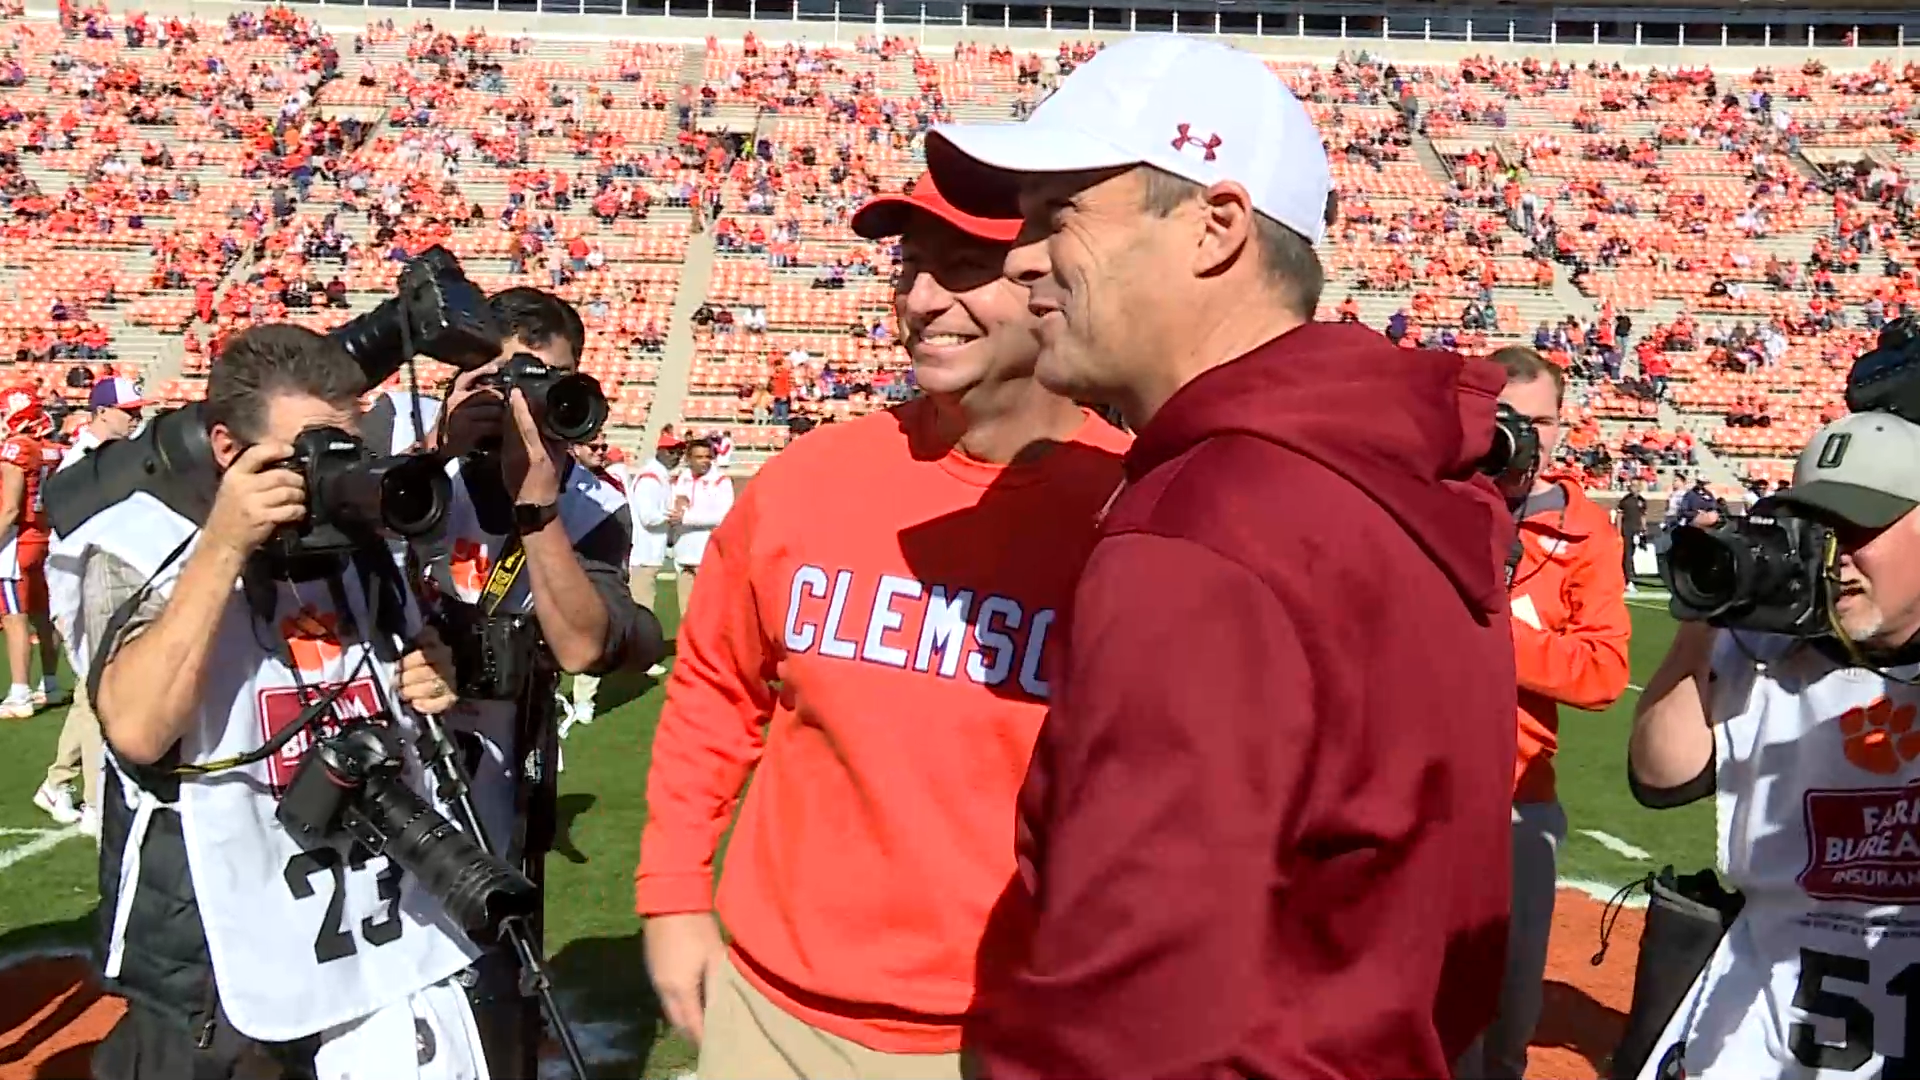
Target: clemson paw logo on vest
1879 736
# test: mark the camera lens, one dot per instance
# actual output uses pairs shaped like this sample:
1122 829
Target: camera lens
1706 569
479 891
575 408
413 496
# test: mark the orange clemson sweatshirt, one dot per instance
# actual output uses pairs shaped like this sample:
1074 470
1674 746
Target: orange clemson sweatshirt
870 642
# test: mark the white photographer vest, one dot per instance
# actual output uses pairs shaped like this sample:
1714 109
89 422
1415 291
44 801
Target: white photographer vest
301 940
585 502
1818 810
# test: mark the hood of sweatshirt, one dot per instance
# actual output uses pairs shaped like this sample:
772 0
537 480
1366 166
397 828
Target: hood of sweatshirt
1405 425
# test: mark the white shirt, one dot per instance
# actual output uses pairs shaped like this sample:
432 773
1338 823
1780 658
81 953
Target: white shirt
649 498
1817 799
83 441
709 498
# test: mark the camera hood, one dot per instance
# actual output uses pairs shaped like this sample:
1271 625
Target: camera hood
170 459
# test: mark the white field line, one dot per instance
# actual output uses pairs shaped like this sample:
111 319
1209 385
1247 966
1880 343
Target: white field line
14 830
1616 845
45 843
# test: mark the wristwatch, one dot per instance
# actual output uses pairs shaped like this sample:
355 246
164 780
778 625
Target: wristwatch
531 518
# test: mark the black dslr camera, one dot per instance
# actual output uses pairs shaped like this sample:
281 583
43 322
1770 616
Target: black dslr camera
355 495
1768 575
1769 572
1516 445
436 312
352 784
567 405
495 656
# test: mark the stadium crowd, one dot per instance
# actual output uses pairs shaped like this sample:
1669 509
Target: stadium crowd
1657 272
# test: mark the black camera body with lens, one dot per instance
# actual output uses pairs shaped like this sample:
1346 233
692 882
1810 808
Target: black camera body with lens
353 784
435 312
355 496
1763 574
1515 451
1888 378
1769 572
495 657
567 405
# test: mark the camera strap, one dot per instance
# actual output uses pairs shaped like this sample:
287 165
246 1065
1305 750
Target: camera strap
504 581
122 615
507 582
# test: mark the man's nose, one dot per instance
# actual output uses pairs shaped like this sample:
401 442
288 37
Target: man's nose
926 298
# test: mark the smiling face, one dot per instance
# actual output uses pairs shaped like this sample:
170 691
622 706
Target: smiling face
1104 278
962 322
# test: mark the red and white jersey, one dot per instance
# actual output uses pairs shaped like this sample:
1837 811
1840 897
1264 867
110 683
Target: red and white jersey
1818 810
29 455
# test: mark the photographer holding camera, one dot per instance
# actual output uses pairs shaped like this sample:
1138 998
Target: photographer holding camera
248 658
1570 633
531 572
1789 696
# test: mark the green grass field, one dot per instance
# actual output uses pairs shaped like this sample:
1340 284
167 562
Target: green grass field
47 898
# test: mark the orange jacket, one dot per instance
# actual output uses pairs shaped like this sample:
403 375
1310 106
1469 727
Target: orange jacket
1570 629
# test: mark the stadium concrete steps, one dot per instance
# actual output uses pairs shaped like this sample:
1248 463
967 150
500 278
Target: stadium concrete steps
1806 168
696 277
1569 297
676 367
1430 160
693 67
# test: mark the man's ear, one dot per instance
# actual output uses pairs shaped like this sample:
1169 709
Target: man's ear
225 446
1228 219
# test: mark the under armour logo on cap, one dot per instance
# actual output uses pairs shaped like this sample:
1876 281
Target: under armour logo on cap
1211 144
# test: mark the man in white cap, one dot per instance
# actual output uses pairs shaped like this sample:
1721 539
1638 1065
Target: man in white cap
118 408
1266 827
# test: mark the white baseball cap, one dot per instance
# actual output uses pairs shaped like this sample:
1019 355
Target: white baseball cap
1192 107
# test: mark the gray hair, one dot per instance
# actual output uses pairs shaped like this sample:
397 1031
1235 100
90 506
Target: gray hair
1286 258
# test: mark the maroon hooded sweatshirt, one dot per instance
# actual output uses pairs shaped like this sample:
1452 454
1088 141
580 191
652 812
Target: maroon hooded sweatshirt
1265 831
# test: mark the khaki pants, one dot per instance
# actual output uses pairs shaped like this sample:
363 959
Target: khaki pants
642 583
748 1037
80 750
683 586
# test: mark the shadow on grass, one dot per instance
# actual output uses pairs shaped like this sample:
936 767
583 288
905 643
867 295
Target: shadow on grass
625 686
612 1008
567 808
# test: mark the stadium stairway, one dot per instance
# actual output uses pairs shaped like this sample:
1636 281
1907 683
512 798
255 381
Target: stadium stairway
696 277
676 367
1430 159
